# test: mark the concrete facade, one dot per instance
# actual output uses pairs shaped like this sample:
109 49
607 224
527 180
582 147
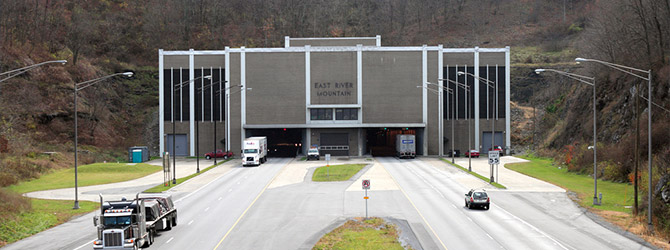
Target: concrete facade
335 86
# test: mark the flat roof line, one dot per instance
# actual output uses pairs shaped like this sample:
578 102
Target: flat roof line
333 38
333 49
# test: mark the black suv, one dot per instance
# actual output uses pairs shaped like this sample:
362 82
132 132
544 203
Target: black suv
477 198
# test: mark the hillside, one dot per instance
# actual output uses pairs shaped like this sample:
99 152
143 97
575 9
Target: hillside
104 37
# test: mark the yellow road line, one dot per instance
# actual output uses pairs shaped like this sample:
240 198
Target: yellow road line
415 208
250 205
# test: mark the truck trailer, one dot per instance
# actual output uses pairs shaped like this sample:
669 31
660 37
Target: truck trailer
255 151
132 224
405 146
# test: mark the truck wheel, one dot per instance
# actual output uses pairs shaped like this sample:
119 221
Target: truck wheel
169 225
174 221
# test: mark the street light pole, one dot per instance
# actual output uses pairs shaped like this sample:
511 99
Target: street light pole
466 89
630 70
174 133
15 72
489 84
77 88
592 83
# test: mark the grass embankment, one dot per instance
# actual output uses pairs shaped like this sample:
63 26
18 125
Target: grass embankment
93 174
36 215
370 234
336 172
44 215
495 184
161 187
616 196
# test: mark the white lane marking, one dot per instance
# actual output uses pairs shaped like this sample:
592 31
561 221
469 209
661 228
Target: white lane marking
238 183
452 204
533 227
79 247
190 222
230 190
489 236
171 238
413 205
220 198
469 219
203 186
206 209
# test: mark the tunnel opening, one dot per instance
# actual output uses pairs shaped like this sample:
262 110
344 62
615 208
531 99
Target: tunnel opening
381 141
282 142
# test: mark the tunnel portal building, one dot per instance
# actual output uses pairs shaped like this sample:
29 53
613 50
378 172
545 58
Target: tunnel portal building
346 96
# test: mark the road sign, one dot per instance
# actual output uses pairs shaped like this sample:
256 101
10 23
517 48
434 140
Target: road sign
494 157
327 157
366 184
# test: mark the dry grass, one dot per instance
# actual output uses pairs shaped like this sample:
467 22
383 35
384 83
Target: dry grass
357 233
635 225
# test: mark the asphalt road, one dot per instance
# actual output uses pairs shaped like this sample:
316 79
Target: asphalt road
204 215
207 215
240 209
516 220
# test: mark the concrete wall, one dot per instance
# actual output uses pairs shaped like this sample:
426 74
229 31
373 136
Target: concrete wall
235 106
461 133
278 88
390 94
333 78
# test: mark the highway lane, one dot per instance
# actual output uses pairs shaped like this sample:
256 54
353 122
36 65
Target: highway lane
207 215
516 220
204 215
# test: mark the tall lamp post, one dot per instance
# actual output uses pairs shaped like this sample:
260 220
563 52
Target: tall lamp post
466 88
591 82
639 74
492 85
78 87
15 72
174 133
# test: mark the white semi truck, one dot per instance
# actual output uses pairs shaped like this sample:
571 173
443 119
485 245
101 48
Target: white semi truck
405 146
255 151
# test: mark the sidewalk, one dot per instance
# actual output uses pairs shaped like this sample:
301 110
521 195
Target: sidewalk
128 189
513 180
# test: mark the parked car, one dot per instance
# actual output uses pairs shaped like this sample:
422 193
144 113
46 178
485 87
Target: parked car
477 198
497 148
219 154
472 153
313 153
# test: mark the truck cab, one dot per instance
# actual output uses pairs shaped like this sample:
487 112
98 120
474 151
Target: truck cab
122 225
254 151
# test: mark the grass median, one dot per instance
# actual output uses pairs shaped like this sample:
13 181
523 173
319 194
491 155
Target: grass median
336 172
616 196
162 187
495 184
372 234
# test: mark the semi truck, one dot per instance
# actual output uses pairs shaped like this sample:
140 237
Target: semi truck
132 224
255 151
405 146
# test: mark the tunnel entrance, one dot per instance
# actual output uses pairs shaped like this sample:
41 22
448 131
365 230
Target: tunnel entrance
282 142
381 141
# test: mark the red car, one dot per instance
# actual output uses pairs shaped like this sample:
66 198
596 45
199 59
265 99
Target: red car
219 154
472 154
497 148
